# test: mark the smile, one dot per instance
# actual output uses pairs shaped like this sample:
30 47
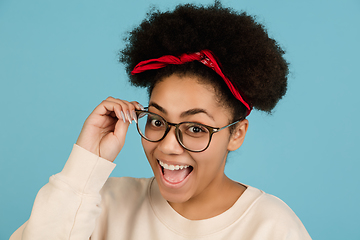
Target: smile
174 174
172 167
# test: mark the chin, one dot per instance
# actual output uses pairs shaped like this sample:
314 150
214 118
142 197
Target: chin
174 196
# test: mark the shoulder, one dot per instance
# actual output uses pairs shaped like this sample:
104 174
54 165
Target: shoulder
274 215
273 206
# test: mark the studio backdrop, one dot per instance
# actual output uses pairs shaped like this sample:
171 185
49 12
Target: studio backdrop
59 59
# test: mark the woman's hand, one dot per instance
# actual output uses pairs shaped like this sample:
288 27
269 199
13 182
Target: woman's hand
105 129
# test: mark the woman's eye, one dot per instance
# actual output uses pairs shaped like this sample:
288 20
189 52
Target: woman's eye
195 129
156 123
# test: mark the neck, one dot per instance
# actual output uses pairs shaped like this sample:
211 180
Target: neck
213 201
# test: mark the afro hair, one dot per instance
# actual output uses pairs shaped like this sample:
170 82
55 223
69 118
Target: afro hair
252 60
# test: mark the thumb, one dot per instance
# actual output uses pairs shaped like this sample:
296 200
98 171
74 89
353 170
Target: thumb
113 142
120 131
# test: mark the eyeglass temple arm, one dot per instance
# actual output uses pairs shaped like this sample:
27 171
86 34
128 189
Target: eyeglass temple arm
219 129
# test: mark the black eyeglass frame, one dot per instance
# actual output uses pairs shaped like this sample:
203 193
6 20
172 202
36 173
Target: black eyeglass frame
168 125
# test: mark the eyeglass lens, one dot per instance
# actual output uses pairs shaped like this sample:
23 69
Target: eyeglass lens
192 136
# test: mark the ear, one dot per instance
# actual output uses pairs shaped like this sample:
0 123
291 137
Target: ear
238 136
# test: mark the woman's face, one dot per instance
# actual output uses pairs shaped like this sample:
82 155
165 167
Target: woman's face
179 99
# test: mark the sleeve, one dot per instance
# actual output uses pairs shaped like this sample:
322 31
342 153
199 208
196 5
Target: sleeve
68 206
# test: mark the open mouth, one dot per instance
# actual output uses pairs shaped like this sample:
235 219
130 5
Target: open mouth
175 173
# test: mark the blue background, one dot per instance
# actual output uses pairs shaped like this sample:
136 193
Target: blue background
58 60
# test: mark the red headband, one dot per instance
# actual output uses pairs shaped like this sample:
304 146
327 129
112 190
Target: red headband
204 56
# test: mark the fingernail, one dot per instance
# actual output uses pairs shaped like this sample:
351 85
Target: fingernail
122 116
133 114
141 106
128 116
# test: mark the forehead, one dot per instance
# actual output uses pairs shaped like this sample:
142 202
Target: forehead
177 94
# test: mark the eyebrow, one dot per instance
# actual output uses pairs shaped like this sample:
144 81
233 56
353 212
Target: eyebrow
161 109
189 112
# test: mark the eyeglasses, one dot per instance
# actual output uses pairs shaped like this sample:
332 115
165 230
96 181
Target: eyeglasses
192 136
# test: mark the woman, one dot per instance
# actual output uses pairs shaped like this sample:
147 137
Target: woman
205 69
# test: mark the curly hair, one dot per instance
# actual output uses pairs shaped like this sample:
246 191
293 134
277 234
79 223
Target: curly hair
252 60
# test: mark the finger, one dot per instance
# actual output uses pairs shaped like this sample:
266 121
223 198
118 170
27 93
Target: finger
127 109
121 130
130 112
137 105
114 105
112 143
127 112
104 113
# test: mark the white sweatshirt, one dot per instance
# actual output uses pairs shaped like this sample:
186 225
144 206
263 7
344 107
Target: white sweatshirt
81 203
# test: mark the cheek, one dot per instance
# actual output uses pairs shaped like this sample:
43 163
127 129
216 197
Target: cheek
149 148
146 146
217 150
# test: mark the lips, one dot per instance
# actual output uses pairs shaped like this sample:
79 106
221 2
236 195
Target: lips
174 174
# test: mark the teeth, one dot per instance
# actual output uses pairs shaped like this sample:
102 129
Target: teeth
173 167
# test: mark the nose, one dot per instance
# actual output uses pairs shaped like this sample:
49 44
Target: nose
170 145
